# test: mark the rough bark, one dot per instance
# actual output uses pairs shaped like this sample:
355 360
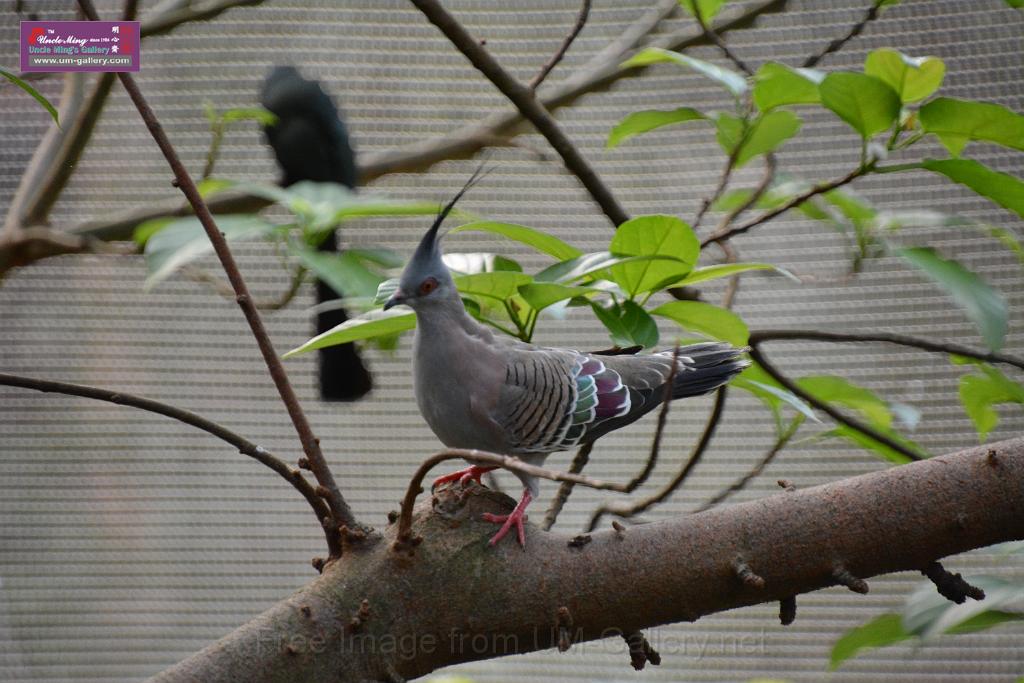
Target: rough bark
382 614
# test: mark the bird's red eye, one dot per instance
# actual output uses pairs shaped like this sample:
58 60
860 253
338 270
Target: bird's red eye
428 286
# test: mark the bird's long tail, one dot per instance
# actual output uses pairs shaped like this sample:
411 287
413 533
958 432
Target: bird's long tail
713 364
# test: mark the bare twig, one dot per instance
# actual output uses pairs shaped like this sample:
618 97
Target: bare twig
340 510
795 201
709 32
579 461
476 457
244 446
953 587
740 483
838 43
581 21
853 423
194 11
759 336
522 97
635 508
223 287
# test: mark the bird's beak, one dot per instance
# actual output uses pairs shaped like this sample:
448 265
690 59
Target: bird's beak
398 297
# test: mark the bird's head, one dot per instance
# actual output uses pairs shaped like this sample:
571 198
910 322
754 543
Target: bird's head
426 279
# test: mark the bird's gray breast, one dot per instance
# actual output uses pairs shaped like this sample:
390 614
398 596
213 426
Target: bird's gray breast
457 385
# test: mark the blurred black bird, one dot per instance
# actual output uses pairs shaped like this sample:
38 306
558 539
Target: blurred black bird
311 142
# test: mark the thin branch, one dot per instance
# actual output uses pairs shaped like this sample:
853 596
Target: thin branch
223 287
194 11
581 21
32 244
758 336
467 140
795 201
245 447
523 98
755 196
71 99
342 514
476 457
717 40
65 161
740 483
838 43
579 461
851 422
635 508
645 24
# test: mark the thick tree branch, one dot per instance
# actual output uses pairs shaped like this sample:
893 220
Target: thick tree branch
244 446
460 600
341 513
525 101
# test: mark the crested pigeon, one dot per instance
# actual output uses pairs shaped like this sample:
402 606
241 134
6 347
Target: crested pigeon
479 390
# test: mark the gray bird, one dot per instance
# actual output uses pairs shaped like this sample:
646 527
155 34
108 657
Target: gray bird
479 390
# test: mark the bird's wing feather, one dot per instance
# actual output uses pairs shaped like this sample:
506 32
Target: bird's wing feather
551 398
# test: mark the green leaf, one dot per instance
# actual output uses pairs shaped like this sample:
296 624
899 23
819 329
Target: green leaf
979 393
588 264
864 441
733 82
928 615
771 394
643 121
184 240
1016 4
344 272
262 116
499 285
832 389
867 103
985 306
913 78
654 235
210 186
886 629
1005 190
540 295
708 8
956 122
723 270
777 85
710 321
985 621
628 324
34 93
765 134
541 241
373 324
143 231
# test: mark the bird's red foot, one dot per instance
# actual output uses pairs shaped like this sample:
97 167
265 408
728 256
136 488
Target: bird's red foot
471 473
515 518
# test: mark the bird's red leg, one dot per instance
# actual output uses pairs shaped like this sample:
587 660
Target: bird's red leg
516 518
473 472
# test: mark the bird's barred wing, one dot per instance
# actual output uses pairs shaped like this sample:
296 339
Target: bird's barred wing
552 398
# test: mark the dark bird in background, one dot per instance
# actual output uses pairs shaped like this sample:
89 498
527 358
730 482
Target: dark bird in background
311 142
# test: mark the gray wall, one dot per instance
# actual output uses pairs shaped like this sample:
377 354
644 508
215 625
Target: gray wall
129 541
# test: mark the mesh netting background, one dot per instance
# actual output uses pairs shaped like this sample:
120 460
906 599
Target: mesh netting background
130 541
